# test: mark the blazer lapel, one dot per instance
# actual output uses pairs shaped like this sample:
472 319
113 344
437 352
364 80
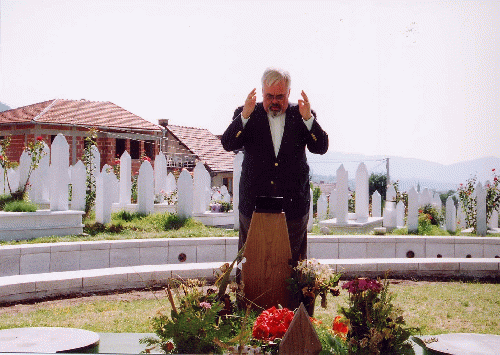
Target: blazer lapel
287 131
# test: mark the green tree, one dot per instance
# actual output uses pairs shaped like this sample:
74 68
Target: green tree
315 196
378 182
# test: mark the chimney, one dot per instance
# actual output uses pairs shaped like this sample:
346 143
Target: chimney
163 122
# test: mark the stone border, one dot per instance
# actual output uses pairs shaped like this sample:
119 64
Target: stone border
40 286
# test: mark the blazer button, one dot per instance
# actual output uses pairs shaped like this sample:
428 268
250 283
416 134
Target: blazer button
272 182
275 164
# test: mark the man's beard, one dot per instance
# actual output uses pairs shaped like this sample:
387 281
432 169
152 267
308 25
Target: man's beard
275 113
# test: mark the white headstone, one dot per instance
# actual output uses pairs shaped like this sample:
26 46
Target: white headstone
390 215
461 216
59 157
185 195
436 202
400 214
160 174
362 193
311 218
13 177
23 168
481 209
332 203
171 185
413 206
96 160
201 187
125 179
342 195
493 222
145 189
391 193
322 206
40 179
376 204
425 197
103 196
225 196
451 215
238 160
78 190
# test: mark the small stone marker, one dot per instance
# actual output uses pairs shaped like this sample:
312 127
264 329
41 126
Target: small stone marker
301 337
464 343
46 340
267 254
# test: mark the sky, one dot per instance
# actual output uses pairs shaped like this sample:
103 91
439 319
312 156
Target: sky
417 79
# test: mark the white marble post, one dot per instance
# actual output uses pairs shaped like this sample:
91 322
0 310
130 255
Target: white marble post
332 204
400 214
376 204
342 195
103 196
311 217
201 187
481 210
115 185
390 215
413 205
238 160
390 194
23 168
171 185
125 179
145 189
40 179
322 205
461 216
362 193
185 195
425 197
451 215
493 222
436 202
59 176
79 190
160 174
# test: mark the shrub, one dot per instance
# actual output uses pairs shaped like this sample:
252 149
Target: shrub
170 221
20 206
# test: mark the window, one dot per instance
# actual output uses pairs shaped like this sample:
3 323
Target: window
135 149
149 149
120 147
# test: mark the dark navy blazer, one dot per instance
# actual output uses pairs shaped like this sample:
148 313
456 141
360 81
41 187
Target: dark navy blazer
264 174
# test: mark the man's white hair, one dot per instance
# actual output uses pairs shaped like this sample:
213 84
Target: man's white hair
275 75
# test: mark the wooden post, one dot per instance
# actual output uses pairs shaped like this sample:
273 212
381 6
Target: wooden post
267 267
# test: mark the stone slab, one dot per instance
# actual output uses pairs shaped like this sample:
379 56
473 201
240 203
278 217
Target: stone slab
464 343
46 339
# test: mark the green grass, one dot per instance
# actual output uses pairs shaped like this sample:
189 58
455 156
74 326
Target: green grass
435 307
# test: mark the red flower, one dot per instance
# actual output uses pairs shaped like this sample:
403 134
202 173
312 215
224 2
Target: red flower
339 328
492 169
272 323
146 158
39 138
360 285
170 346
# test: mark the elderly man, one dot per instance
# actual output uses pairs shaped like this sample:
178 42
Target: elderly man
274 135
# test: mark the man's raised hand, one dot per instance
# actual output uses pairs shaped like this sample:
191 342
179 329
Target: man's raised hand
249 104
305 107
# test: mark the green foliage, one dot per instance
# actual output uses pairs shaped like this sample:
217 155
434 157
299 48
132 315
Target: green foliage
315 196
88 160
376 326
168 221
20 206
378 182
444 197
134 188
193 325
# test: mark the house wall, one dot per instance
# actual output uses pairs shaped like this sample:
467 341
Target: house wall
75 136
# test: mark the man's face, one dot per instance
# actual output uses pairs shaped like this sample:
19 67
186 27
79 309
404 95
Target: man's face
275 98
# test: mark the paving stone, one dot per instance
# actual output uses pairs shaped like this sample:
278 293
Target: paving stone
464 343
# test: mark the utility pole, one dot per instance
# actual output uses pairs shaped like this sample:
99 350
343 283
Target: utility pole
387 168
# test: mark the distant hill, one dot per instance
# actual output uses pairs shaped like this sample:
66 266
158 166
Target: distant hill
408 171
4 107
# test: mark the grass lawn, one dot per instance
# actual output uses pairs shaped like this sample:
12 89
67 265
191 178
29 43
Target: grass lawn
435 307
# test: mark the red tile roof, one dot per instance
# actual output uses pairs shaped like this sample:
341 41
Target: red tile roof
205 145
79 113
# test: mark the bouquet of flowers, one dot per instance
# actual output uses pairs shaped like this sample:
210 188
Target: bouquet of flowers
310 279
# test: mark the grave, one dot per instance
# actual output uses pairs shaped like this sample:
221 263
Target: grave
46 340
462 343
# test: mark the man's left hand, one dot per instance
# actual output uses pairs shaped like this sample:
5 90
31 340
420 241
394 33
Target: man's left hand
305 107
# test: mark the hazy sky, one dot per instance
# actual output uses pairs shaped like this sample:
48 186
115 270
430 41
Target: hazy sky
414 79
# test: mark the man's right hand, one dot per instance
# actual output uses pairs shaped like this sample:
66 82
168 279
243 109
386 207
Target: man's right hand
249 104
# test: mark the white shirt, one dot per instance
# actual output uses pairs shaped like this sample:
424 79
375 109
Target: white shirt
277 126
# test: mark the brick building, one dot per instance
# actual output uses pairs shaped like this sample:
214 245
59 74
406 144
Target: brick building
117 130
